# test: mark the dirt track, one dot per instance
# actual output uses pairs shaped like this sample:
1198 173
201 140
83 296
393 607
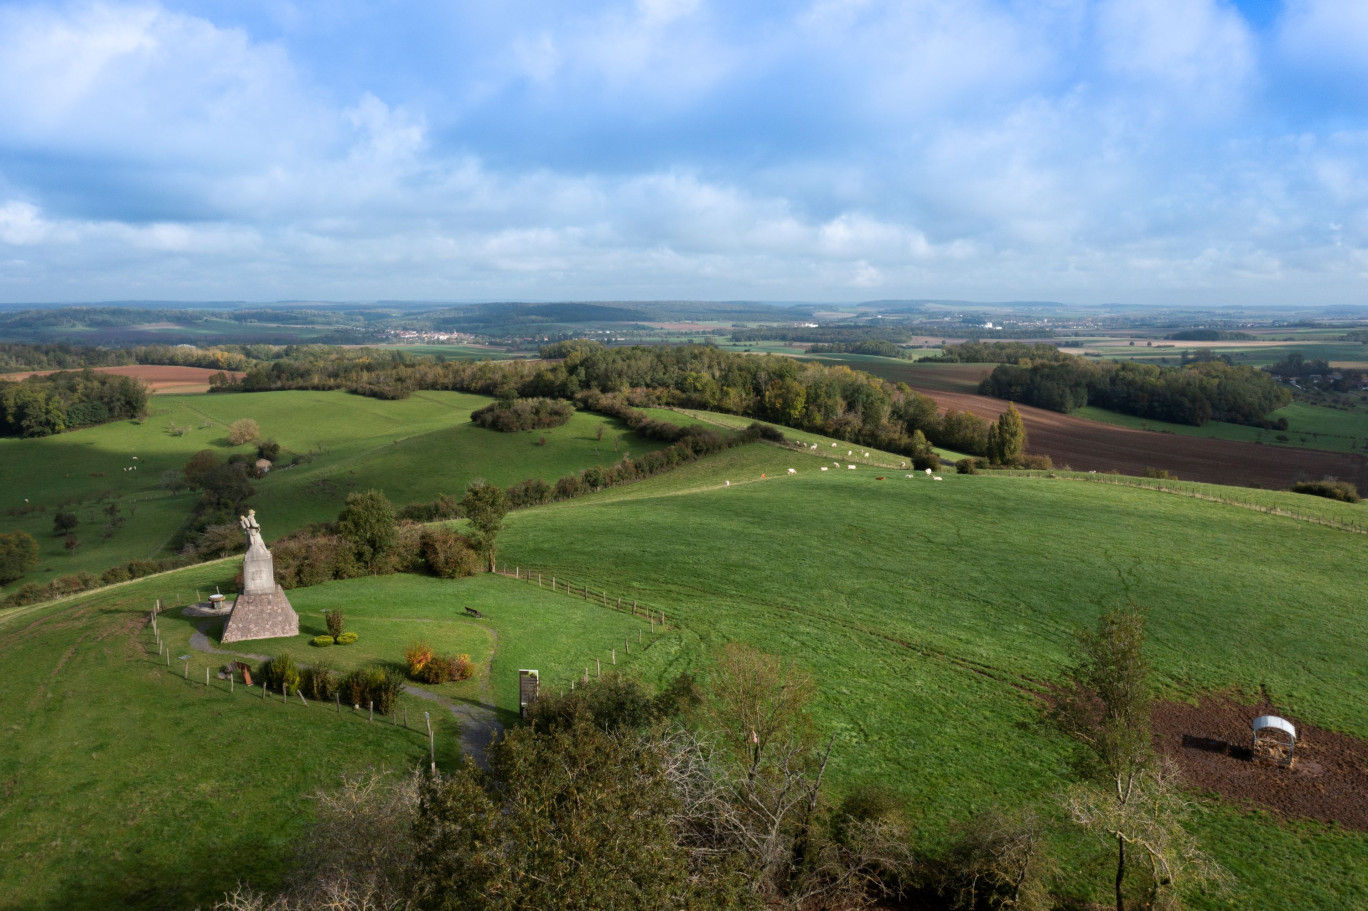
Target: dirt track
1090 446
1210 743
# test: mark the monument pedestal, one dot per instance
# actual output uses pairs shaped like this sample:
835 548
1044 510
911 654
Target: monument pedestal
262 611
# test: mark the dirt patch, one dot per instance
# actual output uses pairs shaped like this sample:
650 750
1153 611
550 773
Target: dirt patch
1210 743
1090 446
159 378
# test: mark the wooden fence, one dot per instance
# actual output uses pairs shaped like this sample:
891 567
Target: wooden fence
583 591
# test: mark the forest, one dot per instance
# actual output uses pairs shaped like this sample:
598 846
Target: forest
1192 394
44 405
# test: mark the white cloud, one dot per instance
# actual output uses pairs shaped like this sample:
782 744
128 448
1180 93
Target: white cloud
1326 35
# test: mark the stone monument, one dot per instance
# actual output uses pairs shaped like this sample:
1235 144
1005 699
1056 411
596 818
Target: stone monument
261 610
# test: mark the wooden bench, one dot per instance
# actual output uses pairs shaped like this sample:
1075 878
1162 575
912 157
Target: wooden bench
473 612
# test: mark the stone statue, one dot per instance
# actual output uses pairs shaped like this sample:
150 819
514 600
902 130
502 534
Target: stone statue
261 610
253 530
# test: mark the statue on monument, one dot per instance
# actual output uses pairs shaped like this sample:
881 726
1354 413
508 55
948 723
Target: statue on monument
261 610
253 530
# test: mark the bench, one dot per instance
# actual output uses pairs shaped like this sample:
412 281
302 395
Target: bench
473 612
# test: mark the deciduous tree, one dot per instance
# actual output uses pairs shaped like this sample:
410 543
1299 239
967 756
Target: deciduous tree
367 521
485 505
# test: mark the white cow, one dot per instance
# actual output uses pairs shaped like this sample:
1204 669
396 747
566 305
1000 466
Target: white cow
726 483
909 476
851 467
928 471
824 468
936 478
791 471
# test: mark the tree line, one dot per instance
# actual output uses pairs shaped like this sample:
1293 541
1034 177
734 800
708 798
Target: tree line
43 405
980 352
833 401
1191 394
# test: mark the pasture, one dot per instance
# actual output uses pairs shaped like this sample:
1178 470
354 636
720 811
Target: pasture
412 449
934 616
1308 427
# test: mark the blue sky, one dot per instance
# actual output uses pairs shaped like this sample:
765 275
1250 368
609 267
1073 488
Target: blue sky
1162 152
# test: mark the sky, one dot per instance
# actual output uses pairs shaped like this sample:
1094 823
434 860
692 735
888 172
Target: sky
1146 152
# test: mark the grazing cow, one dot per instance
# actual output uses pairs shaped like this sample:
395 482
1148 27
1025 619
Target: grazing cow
837 464
791 471
726 483
833 445
928 471
849 453
824 468
866 455
909 476
936 478
851 467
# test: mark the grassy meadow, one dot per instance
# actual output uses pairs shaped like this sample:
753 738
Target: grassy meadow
412 449
1308 427
932 614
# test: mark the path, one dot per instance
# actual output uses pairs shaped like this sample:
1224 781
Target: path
479 722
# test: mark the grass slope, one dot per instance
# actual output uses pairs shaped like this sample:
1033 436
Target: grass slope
933 613
412 449
128 783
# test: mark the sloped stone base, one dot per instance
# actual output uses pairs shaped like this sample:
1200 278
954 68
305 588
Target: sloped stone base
261 615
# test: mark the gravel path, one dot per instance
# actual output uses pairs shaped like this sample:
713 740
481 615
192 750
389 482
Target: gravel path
478 722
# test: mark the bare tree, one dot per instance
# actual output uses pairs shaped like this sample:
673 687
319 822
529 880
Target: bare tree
1150 821
1001 859
1107 709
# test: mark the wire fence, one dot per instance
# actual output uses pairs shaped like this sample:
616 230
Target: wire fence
583 591
1201 492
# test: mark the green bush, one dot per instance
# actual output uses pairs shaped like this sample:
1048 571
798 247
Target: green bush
337 622
1334 490
321 641
377 685
319 681
347 638
278 671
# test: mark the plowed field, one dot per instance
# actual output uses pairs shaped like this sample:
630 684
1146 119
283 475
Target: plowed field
160 379
1089 446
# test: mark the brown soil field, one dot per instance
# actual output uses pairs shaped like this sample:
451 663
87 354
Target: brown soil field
160 379
1089 446
1210 742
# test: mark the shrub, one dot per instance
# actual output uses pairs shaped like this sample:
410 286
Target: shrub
347 638
416 658
1329 488
319 681
513 415
462 668
1162 474
337 622
321 641
448 554
278 671
372 685
967 466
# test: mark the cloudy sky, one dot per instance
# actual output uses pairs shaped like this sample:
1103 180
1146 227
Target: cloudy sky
1165 152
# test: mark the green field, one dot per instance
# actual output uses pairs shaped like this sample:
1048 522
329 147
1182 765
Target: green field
933 615
411 449
1308 426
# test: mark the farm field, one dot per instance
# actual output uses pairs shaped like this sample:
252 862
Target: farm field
933 615
1086 444
1308 426
162 380
412 449
1253 354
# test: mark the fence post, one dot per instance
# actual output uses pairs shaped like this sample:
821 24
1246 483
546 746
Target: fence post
300 694
372 711
553 583
605 599
619 607
539 585
432 743
337 698
628 644
206 676
614 656
232 680
598 667
634 607
586 591
187 669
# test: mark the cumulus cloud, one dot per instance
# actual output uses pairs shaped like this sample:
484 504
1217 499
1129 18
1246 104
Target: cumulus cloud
841 149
